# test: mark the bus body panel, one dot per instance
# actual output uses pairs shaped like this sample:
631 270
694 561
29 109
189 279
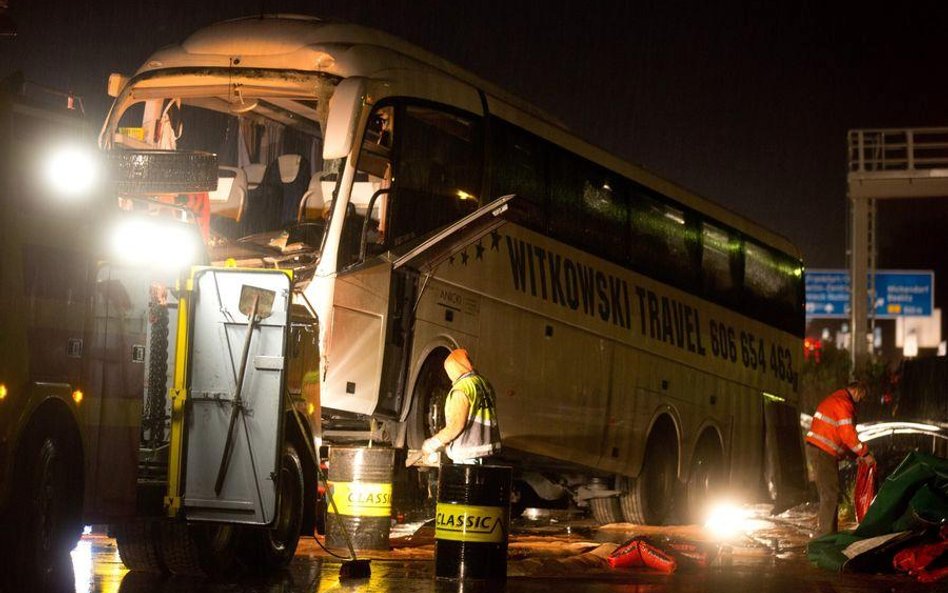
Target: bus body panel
359 313
583 384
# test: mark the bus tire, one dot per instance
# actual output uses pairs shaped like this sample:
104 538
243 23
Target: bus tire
606 510
266 550
47 501
706 478
199 549
137 542
650 497
431 389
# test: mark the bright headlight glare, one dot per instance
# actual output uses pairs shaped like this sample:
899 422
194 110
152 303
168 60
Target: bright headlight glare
726 520
71 170
148 242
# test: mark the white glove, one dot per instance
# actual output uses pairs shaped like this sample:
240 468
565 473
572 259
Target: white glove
432 445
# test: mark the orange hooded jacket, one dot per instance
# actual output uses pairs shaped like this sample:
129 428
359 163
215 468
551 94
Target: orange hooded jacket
834 426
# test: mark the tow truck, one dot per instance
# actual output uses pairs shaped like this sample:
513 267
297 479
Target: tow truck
140 387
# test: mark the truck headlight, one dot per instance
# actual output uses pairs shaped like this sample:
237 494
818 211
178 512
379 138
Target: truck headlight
160 243
71 170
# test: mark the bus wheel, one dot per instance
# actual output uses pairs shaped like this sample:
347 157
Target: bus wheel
606 510
650 497
47 501
705 479
137 541
265 550
431 389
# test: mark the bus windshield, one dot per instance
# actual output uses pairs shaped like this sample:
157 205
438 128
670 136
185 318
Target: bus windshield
273 185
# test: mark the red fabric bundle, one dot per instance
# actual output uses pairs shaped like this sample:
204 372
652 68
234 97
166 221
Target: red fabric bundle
865 490
638 552
915 559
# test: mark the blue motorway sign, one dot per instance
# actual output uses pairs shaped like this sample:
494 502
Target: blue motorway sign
898 293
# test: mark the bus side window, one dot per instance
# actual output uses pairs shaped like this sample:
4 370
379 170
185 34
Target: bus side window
772 285
664 243
718 252
438 171
519 167
586 210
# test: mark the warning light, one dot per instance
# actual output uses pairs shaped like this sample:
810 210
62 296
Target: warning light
310 408
77 396
3 392
812 348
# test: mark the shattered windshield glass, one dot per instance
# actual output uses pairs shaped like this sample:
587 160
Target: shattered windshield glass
273 188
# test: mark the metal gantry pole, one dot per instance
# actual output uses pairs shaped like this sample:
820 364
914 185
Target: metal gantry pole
859 275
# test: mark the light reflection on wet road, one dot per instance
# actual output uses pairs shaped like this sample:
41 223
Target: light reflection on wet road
96 568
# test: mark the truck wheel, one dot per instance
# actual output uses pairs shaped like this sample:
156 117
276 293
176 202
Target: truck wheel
650 497
48 502
606 510
199 549
137 542
266 550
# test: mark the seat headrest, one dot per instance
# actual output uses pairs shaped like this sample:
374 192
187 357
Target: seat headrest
227 199
254 173
289 167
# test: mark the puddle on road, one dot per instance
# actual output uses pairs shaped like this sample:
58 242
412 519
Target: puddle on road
559 547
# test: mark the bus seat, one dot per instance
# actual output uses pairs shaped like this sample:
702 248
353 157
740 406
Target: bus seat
312 203
264 203
254 174
228 199
293 171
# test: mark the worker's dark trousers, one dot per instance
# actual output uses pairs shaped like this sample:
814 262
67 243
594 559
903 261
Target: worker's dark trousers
826 475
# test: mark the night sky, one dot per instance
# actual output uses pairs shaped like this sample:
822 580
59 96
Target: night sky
747 105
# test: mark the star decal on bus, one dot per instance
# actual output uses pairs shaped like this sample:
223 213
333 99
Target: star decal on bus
494 240
480 250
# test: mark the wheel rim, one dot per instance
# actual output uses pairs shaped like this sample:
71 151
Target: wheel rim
290 501
438 387
435 417
704 483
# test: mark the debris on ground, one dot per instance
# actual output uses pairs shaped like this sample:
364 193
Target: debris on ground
640 552
909 511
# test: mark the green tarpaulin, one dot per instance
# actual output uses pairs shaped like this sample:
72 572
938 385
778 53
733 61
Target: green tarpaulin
914 497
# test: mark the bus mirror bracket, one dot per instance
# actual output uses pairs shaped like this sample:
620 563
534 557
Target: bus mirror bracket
345 106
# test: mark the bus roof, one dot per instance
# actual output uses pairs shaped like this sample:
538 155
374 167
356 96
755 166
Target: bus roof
310 44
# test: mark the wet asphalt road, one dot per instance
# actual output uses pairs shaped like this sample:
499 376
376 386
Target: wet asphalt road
97 569
541 562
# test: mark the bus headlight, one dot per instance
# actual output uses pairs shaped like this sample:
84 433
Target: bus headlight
71 170
142 241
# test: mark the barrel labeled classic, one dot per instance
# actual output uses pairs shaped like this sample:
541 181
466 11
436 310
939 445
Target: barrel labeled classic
360 479
472 522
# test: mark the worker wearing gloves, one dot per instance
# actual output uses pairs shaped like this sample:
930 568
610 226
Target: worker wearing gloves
471 432
832 436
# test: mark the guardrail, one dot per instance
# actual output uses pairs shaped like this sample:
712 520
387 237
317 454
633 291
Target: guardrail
894 149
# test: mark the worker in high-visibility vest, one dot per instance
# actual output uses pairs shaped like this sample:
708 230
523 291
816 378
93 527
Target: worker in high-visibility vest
471 432
832 437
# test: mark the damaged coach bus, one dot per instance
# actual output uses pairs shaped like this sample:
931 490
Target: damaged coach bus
644 342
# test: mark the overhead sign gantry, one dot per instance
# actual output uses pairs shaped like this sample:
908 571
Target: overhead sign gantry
885 164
